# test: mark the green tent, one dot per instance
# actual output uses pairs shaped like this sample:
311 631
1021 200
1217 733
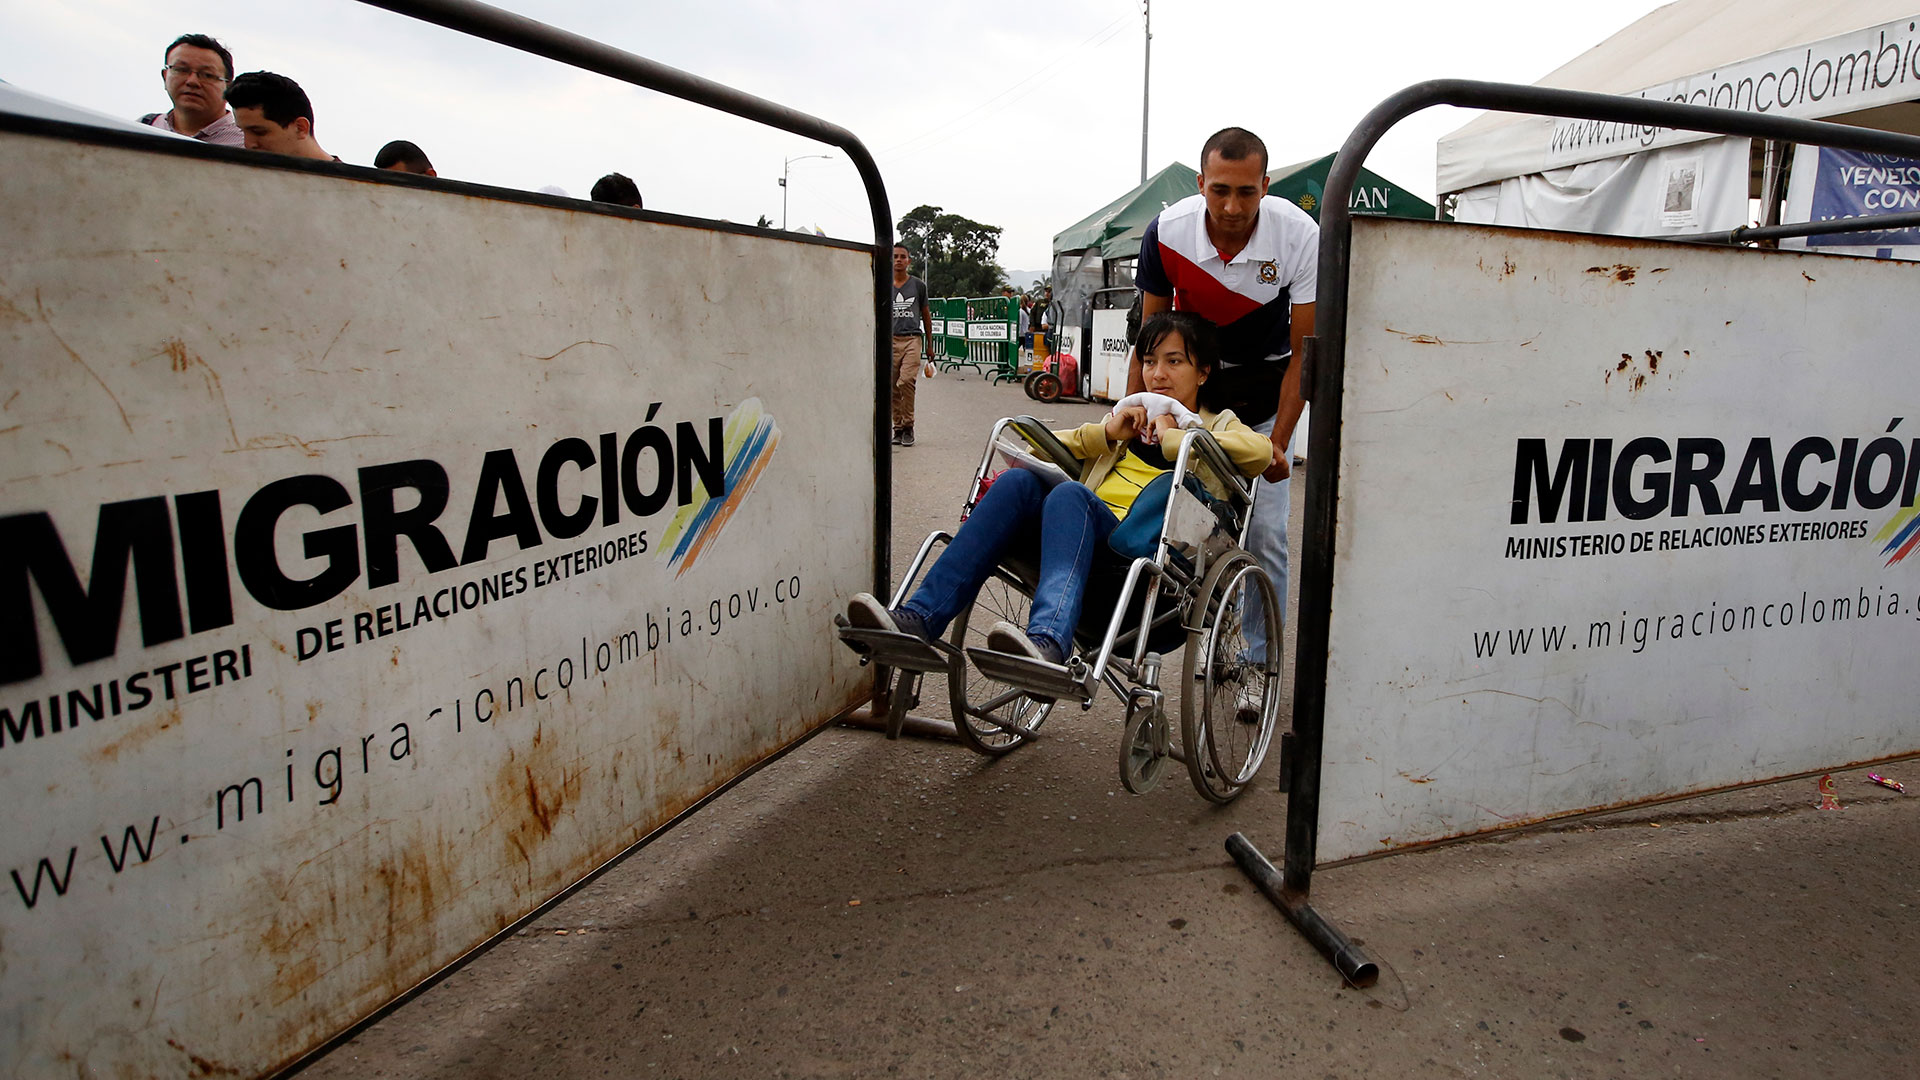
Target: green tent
1115 228
1304 185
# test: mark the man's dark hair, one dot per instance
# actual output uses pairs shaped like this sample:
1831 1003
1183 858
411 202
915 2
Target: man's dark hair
402 152
904 248
200 41
1194 331
617 188
1234 144
278 98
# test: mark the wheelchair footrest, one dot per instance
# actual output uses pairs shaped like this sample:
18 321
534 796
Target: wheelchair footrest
1047 682
896 650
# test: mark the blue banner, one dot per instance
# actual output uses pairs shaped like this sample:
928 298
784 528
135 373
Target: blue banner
1853 184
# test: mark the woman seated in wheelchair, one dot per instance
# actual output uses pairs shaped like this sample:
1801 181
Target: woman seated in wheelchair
1068 525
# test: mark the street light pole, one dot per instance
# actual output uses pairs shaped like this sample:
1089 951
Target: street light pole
1146 80
785 168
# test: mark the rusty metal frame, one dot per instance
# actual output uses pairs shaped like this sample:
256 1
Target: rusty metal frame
1756 233
1323 370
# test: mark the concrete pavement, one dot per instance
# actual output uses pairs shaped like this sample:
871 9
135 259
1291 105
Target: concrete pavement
872 908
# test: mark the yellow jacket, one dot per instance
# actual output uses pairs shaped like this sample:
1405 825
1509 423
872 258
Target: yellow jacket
1250 451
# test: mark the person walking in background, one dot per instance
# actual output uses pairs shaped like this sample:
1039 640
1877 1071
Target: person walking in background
1026 332
1249 265
617 189
274 114
909 297
196 74
403 156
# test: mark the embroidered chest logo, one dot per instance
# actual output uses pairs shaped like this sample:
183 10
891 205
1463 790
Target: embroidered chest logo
1269 273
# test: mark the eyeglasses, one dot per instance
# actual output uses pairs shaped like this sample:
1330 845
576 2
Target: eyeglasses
203 76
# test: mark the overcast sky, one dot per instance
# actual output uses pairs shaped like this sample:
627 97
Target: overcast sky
1028 119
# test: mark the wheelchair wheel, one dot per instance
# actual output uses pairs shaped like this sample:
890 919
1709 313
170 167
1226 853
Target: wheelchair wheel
1229 705
906 695
992 717
1143 744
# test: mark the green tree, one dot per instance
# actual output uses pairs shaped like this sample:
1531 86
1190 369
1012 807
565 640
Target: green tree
956 254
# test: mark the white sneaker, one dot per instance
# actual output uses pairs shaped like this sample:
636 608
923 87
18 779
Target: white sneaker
866 612
1004 637
1250 701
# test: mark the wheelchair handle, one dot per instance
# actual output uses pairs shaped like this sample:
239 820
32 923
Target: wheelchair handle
1042 439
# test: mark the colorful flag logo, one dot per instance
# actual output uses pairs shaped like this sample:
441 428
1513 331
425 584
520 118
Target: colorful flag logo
751 436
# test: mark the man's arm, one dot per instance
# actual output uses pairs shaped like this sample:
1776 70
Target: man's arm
926 329
1291 404
1151 304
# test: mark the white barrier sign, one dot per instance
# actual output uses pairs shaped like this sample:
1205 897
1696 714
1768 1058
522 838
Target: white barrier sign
375 563
1107 359
989 331
1069 337
1617 520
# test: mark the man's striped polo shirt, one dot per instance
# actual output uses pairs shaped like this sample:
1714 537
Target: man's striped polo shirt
1249 297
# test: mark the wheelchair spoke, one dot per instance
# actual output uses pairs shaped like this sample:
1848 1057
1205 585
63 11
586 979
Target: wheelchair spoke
992 718
988 707
1230 702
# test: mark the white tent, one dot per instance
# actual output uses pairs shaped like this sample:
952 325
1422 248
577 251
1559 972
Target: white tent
1850 61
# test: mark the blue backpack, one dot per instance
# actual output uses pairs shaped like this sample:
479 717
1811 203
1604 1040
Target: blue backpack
1139 531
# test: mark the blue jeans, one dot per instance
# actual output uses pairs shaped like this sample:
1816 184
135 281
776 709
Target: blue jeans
1267 543
1068 528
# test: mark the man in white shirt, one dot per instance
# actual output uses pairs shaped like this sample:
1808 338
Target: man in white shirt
196 75
1249 264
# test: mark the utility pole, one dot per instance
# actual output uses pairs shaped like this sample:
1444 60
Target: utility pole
1146 79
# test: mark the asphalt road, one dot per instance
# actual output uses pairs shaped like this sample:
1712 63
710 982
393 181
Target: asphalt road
872 908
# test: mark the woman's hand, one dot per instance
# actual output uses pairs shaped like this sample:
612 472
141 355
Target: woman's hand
1282 466
1124 424
1160 425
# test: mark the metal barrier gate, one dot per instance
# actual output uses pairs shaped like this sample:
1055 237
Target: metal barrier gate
450 592
950 322
978 334
992 336
1505 614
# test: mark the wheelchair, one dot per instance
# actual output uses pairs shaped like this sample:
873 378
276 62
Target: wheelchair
1193 591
